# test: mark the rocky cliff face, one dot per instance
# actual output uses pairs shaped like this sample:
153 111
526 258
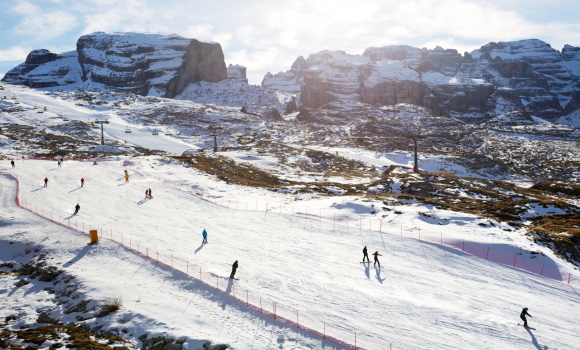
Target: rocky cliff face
525 75
147 64
43 69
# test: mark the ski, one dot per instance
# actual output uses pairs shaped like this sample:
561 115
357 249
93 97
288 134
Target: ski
519 324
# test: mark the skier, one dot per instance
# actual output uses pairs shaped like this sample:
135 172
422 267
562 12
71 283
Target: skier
365 255
12 162
204 234
150 197
59 164
95 163
126 177
82 181
234 268
523 316
146 194
77 207
46 182
376 258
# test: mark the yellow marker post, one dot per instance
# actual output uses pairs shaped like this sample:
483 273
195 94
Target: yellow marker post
93 235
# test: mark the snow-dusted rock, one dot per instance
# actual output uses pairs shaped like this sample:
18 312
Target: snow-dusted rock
237 72
525 75
147 64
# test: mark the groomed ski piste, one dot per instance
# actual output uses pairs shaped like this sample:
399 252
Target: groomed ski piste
424 295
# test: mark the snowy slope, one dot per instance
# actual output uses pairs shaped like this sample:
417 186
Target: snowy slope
425 296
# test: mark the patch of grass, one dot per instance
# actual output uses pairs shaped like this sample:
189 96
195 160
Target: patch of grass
69 336
110 305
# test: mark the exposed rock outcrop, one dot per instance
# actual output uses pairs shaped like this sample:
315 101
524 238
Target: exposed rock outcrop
526 75
146 64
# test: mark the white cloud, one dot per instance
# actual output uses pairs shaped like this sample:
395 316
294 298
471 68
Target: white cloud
200 31
44 25
16 53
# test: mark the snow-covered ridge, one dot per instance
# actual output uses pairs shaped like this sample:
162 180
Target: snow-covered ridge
147 64
540 79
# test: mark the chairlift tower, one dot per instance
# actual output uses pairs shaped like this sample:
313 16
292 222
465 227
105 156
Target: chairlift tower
214 134
102 133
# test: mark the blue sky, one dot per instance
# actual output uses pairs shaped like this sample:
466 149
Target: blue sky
268 35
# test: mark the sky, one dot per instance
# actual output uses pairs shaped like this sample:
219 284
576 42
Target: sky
268 35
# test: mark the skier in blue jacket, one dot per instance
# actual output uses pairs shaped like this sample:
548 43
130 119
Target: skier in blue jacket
204 233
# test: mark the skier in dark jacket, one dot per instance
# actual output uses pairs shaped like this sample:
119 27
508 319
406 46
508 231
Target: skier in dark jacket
149 192
365 254
12 162
77 207
234 268
523 316
376 254
46 182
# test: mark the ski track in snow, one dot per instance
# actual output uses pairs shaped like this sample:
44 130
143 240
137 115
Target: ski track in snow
424 296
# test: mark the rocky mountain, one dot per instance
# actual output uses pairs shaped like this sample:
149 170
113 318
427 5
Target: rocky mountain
526 75
146 64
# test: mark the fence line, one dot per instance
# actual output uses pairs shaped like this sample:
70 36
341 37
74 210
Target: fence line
514 259
277 311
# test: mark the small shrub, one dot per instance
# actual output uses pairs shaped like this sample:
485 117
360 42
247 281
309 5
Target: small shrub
124 319
110 305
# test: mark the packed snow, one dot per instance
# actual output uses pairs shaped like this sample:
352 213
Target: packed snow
424 295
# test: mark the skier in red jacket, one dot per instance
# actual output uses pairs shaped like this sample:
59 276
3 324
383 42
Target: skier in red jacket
46 182
82 181
376 258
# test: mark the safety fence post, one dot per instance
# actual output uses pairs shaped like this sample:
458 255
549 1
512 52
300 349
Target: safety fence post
542 273
274 307
569 277
515 260
486 255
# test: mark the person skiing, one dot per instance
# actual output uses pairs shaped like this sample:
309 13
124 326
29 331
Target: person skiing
234 268
149 193
82 181
523 316
204 234
365 254
59 164
77 207
12 162
126 177
46 182
146 193
376 254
